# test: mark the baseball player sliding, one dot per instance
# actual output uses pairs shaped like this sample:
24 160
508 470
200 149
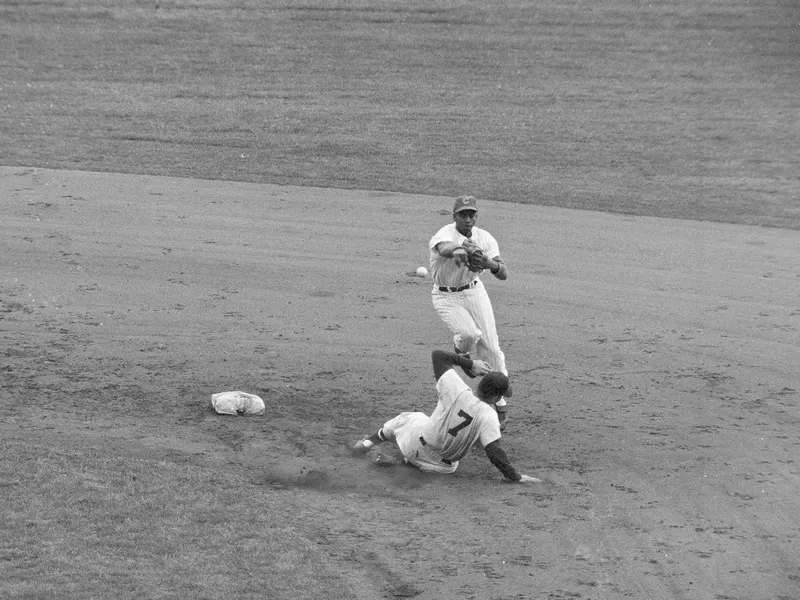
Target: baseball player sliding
461 419
459 252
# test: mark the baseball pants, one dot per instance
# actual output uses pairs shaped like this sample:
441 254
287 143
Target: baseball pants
470 318
406 430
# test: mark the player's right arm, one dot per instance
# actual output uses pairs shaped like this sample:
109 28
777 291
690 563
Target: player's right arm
446 249
499 459
452 250
442 361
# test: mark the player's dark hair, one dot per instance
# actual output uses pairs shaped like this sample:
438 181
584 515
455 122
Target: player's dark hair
494 384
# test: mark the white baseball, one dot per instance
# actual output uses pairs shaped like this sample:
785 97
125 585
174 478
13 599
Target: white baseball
422 272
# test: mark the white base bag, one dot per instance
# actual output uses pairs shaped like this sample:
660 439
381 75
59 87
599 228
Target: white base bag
237 403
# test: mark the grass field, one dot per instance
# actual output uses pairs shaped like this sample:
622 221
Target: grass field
677 109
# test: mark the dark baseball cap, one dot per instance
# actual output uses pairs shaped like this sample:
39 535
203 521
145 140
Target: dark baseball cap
465 203
495 384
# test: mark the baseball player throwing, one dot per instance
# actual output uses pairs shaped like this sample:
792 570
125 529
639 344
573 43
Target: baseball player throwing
461 419
459 253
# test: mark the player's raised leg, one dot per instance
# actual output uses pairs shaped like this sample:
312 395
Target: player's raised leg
488 346
458 320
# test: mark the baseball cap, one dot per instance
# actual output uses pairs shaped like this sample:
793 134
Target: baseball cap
495 384
465 203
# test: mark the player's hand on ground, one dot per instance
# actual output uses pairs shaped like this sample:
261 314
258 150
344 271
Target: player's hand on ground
480 367
529 479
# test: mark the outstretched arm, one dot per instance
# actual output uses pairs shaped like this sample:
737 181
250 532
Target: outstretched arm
499 459
454 251
446 248
442 361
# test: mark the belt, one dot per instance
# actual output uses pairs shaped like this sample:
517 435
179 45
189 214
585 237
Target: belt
459 289
424 443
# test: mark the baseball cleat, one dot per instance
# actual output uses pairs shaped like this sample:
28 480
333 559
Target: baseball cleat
361 447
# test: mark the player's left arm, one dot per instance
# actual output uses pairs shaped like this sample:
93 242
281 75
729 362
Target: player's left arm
497 267
492 259
479 260
500 459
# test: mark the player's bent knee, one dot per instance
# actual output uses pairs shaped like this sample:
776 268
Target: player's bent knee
467 340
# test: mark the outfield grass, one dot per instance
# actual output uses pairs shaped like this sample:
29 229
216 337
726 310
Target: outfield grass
684 109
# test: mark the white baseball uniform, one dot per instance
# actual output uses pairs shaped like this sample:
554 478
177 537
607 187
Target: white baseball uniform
464 306
436 443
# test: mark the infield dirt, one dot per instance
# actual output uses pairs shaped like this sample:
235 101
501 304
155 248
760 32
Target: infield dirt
654 363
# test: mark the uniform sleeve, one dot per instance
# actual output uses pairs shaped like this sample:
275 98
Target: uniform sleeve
443 235
442 361
489 427
499 458
492 247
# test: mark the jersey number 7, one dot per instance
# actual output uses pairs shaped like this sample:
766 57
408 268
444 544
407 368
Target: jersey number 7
465 423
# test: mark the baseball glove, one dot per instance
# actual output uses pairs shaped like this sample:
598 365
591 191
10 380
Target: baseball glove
474 256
